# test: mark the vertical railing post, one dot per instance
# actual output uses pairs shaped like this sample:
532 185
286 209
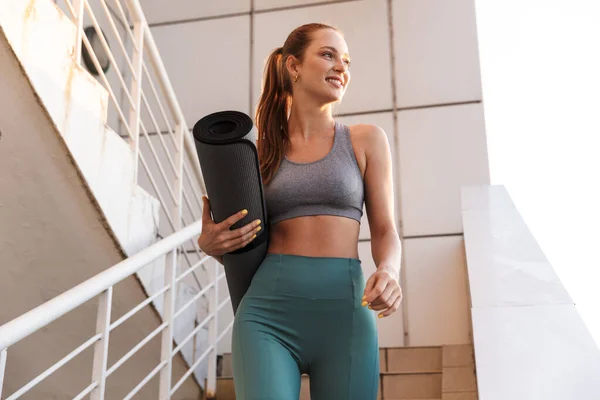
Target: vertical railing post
101 346
136 92
2 369
167 333
171 273
212 336
78 7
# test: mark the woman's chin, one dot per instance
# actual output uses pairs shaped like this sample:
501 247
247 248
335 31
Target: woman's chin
332 98
329 96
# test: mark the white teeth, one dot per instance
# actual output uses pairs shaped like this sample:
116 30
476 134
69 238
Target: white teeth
337 81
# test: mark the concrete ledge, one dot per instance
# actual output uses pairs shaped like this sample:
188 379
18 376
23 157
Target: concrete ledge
530 342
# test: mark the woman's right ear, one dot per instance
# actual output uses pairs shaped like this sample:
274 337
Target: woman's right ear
291 66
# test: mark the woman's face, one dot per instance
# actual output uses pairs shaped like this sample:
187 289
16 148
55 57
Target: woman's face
324 71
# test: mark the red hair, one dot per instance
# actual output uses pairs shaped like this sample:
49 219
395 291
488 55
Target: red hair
275 100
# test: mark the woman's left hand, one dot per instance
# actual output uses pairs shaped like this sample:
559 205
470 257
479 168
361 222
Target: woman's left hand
383 292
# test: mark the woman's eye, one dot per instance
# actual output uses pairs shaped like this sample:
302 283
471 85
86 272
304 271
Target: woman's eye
347 62
328 54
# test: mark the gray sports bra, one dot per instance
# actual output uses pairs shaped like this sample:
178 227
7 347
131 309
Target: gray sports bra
332 185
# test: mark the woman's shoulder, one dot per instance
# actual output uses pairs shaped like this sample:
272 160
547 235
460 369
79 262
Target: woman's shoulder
369 139
366 132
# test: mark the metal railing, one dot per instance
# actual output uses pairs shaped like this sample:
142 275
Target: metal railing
147 112
102 285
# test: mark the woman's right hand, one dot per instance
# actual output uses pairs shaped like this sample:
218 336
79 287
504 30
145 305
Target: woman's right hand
218 239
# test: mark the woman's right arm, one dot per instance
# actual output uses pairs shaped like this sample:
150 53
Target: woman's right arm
217 239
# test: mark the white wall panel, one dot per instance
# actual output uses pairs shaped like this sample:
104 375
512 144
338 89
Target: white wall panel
390 329
440 150
159 11
269 4
436 291
436 54
208 65
365 28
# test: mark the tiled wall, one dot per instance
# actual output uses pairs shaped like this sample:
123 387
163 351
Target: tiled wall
415 73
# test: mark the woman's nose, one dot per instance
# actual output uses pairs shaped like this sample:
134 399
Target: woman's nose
340 67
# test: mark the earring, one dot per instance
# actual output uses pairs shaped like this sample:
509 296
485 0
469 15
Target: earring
296 78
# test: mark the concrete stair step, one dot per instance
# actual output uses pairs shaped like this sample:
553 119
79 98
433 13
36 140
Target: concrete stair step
411 359
407 373
460 396
458 355
401 386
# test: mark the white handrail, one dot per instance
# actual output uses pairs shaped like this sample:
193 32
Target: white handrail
145 55
39 317
167 87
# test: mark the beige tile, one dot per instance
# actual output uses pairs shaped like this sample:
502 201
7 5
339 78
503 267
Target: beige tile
460 396
460 355
410 359
211 71
441 149
436 292
436 52
382 360
225 389
412 386
459 379
227 365
365 28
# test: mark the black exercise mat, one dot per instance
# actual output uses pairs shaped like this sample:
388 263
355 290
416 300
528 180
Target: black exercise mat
226 146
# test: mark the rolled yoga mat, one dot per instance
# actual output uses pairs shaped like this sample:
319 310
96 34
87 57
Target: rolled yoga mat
226 146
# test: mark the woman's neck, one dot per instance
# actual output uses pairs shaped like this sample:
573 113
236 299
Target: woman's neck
307 122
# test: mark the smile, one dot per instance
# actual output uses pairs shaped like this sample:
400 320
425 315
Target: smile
335 82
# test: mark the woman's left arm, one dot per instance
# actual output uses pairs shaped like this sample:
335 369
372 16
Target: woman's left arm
382 291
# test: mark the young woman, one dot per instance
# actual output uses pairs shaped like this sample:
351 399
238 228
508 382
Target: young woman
306 309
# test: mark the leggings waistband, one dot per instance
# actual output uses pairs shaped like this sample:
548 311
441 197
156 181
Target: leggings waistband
281 257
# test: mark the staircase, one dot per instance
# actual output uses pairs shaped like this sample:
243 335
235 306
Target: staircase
143 190
406 373
41 44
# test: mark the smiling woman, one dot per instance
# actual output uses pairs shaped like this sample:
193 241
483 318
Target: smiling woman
306 308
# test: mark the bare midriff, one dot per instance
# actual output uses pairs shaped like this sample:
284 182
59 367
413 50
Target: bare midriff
315 236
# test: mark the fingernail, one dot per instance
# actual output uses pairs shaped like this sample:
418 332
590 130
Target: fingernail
370 308
257 222
244 212
253 236
380 316
364 303
258 229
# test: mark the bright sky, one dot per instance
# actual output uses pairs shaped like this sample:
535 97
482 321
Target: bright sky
540 63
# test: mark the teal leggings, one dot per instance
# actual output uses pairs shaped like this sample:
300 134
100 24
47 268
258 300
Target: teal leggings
304 315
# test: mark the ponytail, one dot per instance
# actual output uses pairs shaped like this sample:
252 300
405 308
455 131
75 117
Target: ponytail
271 116
276 98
